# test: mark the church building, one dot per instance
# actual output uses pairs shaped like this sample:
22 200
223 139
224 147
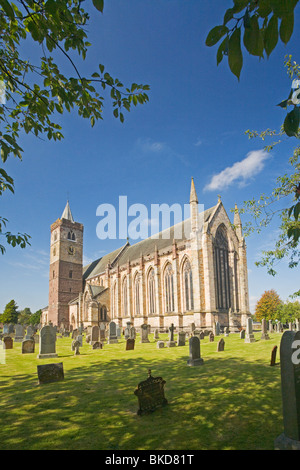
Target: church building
194 275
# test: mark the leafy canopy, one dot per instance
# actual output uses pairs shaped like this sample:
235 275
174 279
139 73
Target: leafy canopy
31 94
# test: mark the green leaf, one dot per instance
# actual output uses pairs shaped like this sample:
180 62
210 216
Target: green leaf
7 9
291 122
297 210
99 5
271 35
283 8
228 15
235 56
264 8
253 39
286 28
283 104
215 35
222 50
239 5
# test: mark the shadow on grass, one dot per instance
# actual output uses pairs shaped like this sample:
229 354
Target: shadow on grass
227 403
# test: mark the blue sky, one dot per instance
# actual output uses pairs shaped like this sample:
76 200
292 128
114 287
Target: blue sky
193 126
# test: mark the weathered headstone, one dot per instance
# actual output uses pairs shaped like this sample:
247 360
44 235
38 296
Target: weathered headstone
5 329
7 342
171 343
19 333
47 346
290 391
119 333
249 337
242 334
221 345
130 344
156 334
79 339
30 332
97 345
226 331
50 372
160 344
102 332
95 333
150 394
273 356
211 337
132 333
195 358
181 338
217 328
270 326
144 334
264 333
112 333
28 346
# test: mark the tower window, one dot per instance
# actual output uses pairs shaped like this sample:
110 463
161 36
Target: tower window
53 274
70 274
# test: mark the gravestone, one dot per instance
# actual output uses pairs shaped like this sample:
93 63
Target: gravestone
112 333
273 356
97 345
193 327
242 334
181 338
160 344
28 346
171 343
79 339
226 331
95 333
211 337
132 333
30 332
150 394
249 337
290 391
144 334
102 332
88 338
156 334
264 333
7 342
221 345
195 358
10 329
270 326
127 331
217 328
47 346
75 333
118 332
50 372
130 344
5 329
19 333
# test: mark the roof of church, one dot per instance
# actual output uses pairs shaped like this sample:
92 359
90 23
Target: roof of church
127 252
67 214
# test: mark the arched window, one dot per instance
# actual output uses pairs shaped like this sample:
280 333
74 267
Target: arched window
151 292
188 286
221 263
103 313
137 294
69 236
124 298
73 237
114 300
169 289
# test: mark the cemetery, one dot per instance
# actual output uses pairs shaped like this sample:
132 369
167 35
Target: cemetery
223 390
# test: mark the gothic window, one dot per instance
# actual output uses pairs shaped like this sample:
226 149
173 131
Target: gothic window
221 264
151 292
237 305
73 237
188 287
169 289
124 298
137 293
103 313
69 236
70 274
54 251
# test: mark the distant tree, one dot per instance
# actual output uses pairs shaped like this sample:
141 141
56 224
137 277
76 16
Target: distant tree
10 314
35 317
289 311
24 316
268 306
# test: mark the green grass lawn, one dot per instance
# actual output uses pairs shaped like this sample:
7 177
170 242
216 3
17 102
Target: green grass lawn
232 401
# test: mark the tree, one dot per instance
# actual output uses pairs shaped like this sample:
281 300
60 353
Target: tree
35 317
32 94
260 23
24 316
289 312
10 314
268 306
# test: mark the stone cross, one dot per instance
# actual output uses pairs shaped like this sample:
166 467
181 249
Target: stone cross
171 343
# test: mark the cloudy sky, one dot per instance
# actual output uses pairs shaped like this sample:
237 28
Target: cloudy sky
193 126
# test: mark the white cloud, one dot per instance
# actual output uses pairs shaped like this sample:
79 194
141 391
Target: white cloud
147 145
239 172
198 143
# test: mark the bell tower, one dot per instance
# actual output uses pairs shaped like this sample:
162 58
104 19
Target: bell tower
65 277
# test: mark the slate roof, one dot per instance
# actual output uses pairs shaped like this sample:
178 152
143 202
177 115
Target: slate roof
127 252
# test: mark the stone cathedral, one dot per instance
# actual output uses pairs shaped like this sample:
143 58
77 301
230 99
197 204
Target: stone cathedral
196 275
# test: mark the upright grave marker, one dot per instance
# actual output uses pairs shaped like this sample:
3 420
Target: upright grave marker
290 391
195 358
150 394
47 345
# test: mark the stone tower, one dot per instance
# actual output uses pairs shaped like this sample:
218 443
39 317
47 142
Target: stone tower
65 277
